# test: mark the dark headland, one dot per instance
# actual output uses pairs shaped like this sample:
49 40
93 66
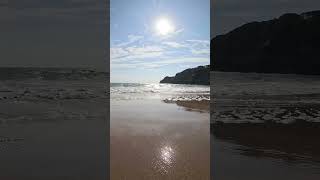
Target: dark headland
288 44
199 76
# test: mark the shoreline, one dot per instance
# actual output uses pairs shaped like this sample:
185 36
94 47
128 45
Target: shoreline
192 105
266 119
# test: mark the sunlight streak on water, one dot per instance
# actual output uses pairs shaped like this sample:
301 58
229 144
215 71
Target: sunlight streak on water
172 92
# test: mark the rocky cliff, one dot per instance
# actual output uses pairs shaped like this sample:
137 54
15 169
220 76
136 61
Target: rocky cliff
198 75
288 44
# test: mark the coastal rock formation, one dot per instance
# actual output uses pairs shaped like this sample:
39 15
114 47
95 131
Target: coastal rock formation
288 44
198 75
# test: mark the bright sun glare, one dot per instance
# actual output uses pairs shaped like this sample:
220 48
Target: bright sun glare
164 26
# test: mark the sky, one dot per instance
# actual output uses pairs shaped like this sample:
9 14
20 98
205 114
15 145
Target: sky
53 33
151 39
74 33
230 14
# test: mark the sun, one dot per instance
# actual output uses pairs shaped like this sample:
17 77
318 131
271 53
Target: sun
164 26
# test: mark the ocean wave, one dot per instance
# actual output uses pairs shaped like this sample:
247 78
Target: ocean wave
17 73
49 90
188 98
172 92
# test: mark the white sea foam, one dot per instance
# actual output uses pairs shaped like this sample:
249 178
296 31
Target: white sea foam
254 97
172 92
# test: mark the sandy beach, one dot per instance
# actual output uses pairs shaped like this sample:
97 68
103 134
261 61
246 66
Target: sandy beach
53 129
265 126
155 139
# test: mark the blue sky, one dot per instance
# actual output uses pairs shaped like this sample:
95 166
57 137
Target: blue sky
140 53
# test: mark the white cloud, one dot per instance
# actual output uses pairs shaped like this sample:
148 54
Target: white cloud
199 47
150 54
161 63
135 52
178 31
204 42
170 35
131 39
144 49
116 53
196 47
144 52
200 51
174 44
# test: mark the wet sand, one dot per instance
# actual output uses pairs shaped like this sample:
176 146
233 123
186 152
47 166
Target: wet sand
200 106
265 126
55 131
294 143
230 163
151 139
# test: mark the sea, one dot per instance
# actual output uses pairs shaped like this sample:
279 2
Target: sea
265 126
164 92
53 123
258 98
37 84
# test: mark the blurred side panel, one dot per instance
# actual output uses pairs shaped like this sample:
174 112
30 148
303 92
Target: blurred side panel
54 81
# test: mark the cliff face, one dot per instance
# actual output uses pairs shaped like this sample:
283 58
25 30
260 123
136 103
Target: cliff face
288 44
199 75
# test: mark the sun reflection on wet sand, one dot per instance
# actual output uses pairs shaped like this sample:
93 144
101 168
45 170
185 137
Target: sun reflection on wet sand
167 155
146 144
165 160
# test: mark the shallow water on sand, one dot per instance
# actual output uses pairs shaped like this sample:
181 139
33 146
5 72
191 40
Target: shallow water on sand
151 139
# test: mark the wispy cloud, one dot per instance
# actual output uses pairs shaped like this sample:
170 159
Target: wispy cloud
131 39
142 53
116 53
196 47
161 63
174 44
135 52
171 35
199 47
204 42
178 31
200 51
